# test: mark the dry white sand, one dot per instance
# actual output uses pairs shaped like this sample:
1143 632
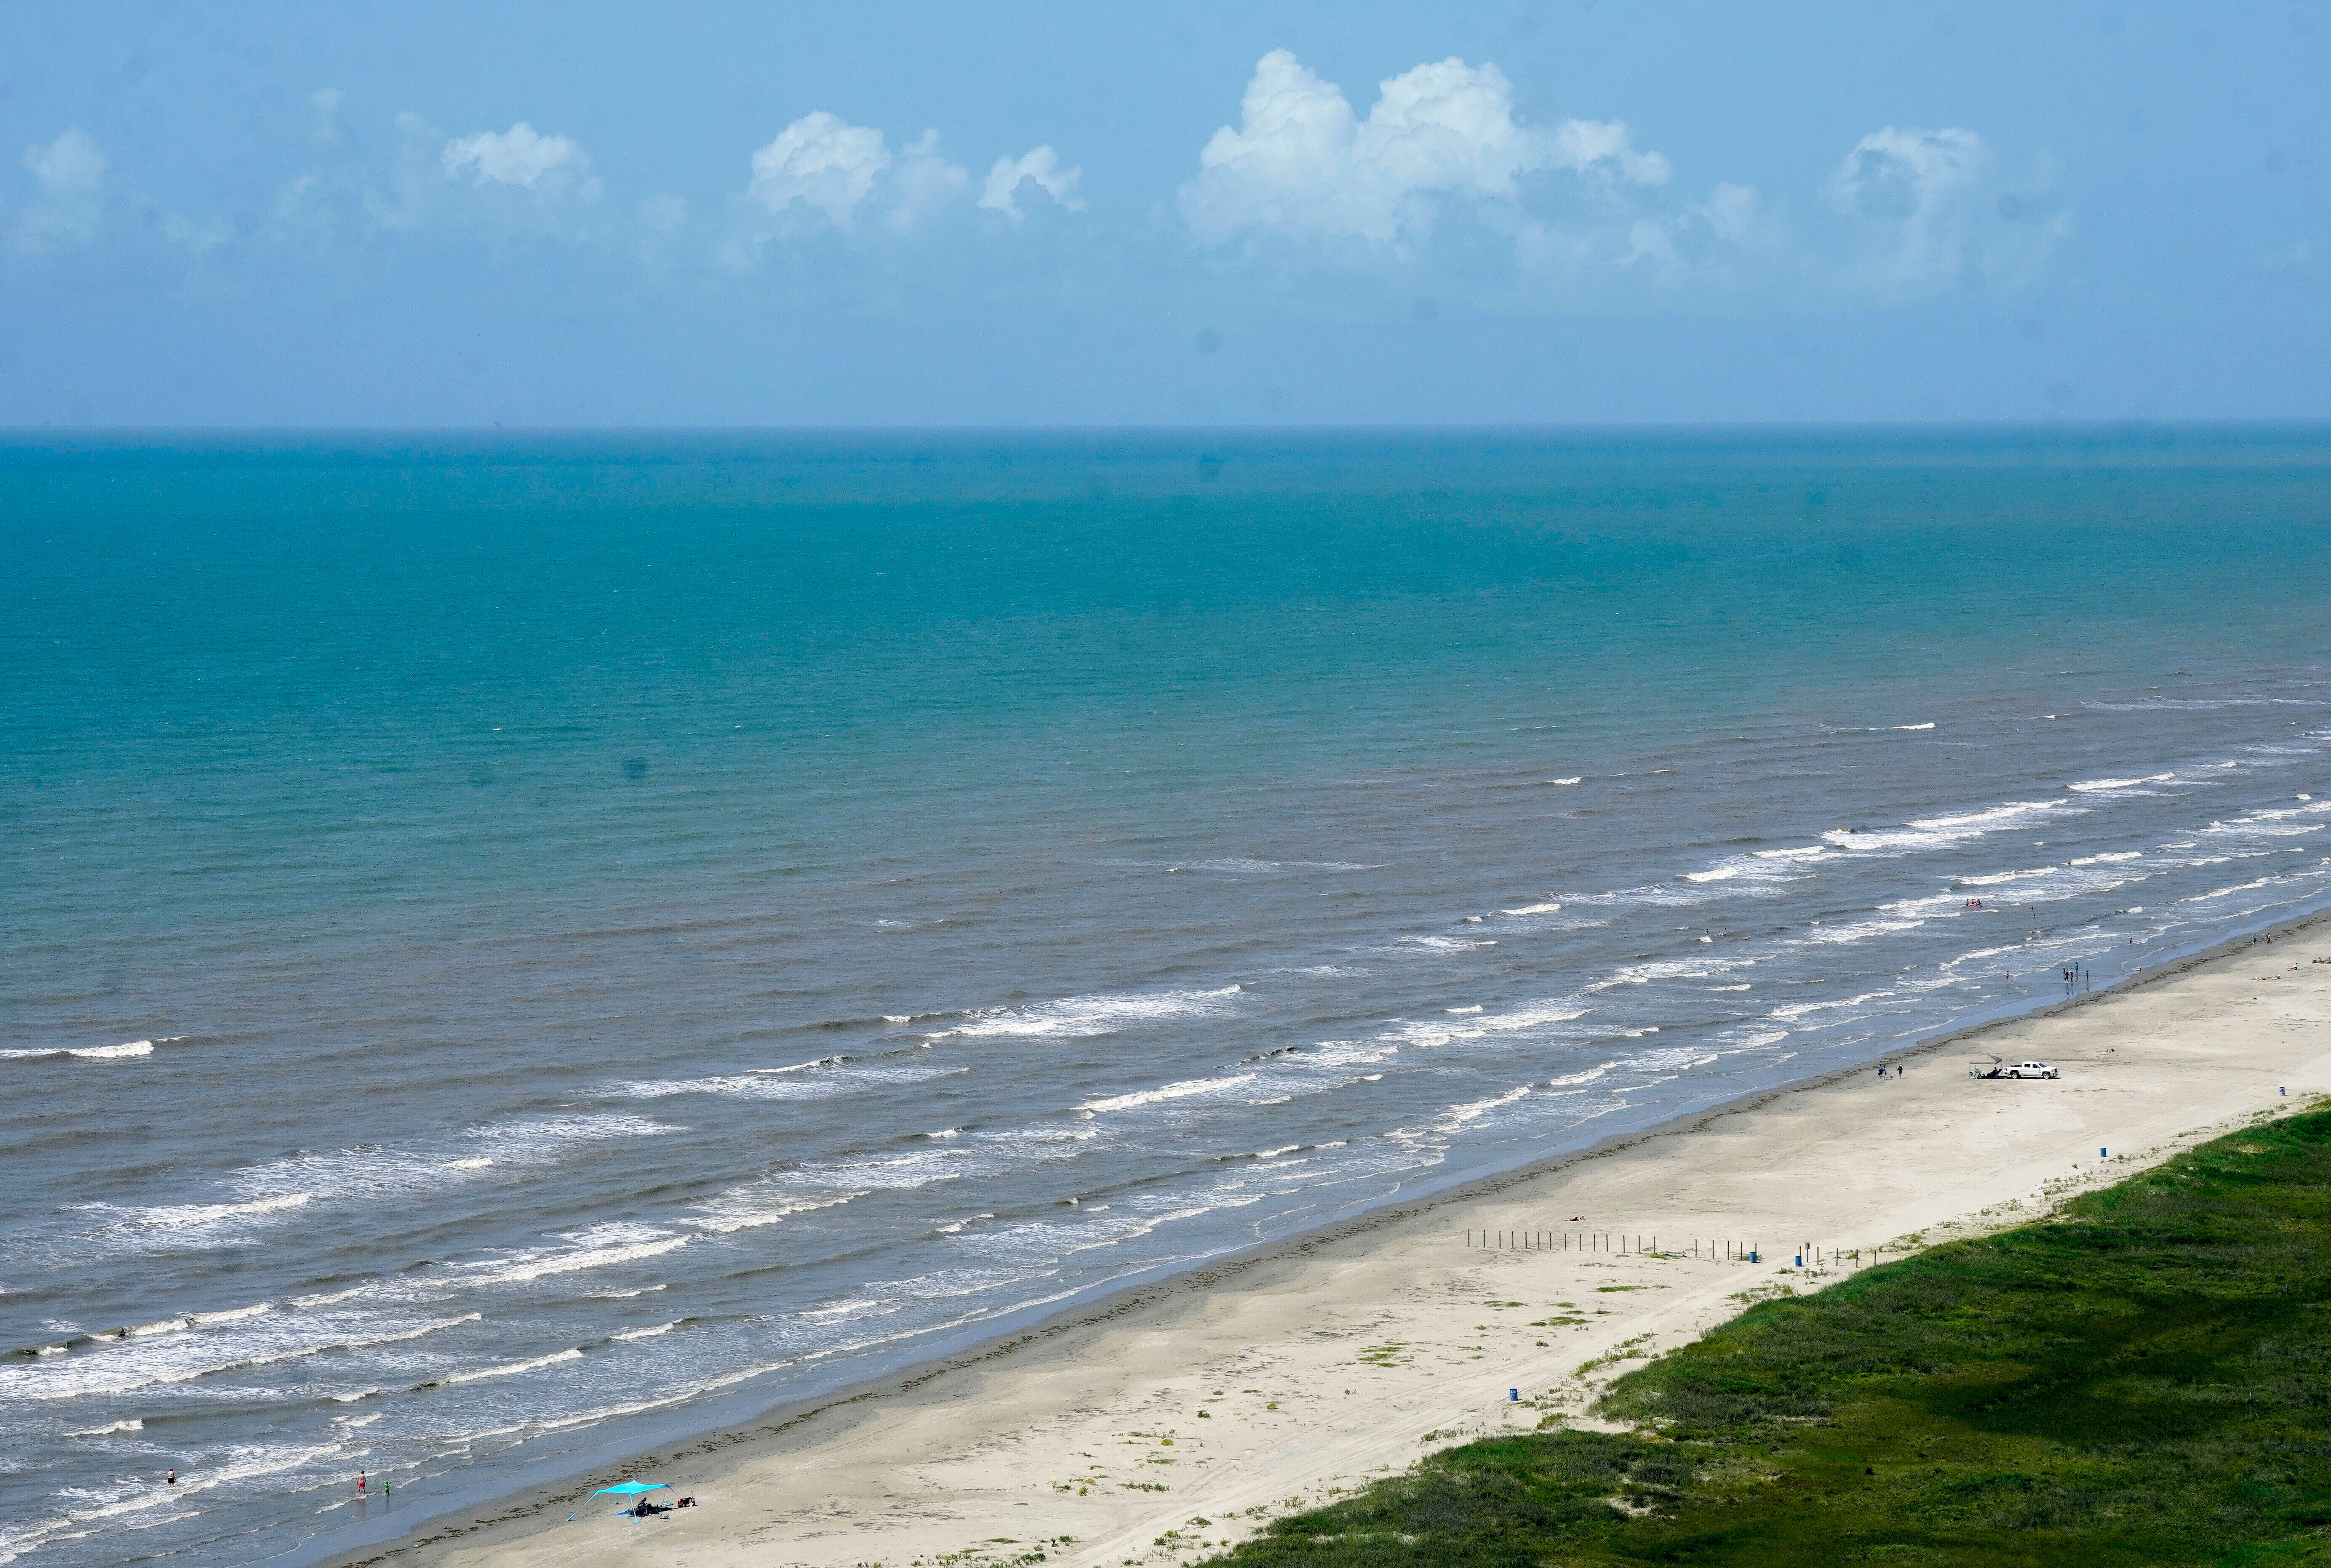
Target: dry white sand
1184 1416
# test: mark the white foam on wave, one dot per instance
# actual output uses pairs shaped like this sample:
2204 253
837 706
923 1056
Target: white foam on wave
2090 875
132 1218
1585 1077
510 1369
1854 931
743 1086
134 1048
2121 784
1654 895
1457 1117
1189 1089
1799 1009
2288 821
771 1199
1976 955
1763 866
731 1212
1995 879
850 1308
1703 968
630 1333
542 1137
283 1188
766 1082
192 1320
599 1246
374 1173
121 1368
1080 1017
1424 1035
1675 1059
1941 832
2250 886
1329 1056
131 1425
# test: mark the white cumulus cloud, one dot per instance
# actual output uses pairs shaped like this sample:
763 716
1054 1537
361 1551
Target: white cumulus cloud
1731 209
822 160
922 182
1040 166
524 157
1302 161
1917 180
69 192
1930 216
1605 146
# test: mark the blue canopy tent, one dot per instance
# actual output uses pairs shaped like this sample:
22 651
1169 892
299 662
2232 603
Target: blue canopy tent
635 1490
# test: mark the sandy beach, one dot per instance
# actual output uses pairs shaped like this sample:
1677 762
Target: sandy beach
1160 1425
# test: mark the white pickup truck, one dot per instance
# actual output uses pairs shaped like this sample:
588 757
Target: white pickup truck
2013 1070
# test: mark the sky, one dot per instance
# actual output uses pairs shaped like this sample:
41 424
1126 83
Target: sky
1566 212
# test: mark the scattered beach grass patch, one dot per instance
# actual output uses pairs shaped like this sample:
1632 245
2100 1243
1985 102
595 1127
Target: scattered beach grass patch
2143 1379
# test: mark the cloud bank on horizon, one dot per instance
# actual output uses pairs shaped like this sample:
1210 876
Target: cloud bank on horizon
1442 179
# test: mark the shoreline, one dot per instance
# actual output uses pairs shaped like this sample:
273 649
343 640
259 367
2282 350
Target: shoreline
514 1520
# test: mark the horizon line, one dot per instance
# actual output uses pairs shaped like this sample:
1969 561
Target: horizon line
2056 424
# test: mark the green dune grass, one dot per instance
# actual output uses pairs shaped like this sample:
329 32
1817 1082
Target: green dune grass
2144 1378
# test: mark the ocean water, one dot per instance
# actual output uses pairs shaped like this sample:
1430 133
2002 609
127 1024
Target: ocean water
517 946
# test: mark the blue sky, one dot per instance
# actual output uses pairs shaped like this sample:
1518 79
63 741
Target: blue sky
451 215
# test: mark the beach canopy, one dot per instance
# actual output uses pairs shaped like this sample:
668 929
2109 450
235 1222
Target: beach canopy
628 1487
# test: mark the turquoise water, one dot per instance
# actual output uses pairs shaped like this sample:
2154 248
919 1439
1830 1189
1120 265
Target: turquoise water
517 946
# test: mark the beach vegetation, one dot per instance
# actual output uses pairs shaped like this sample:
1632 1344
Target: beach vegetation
2144 1377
